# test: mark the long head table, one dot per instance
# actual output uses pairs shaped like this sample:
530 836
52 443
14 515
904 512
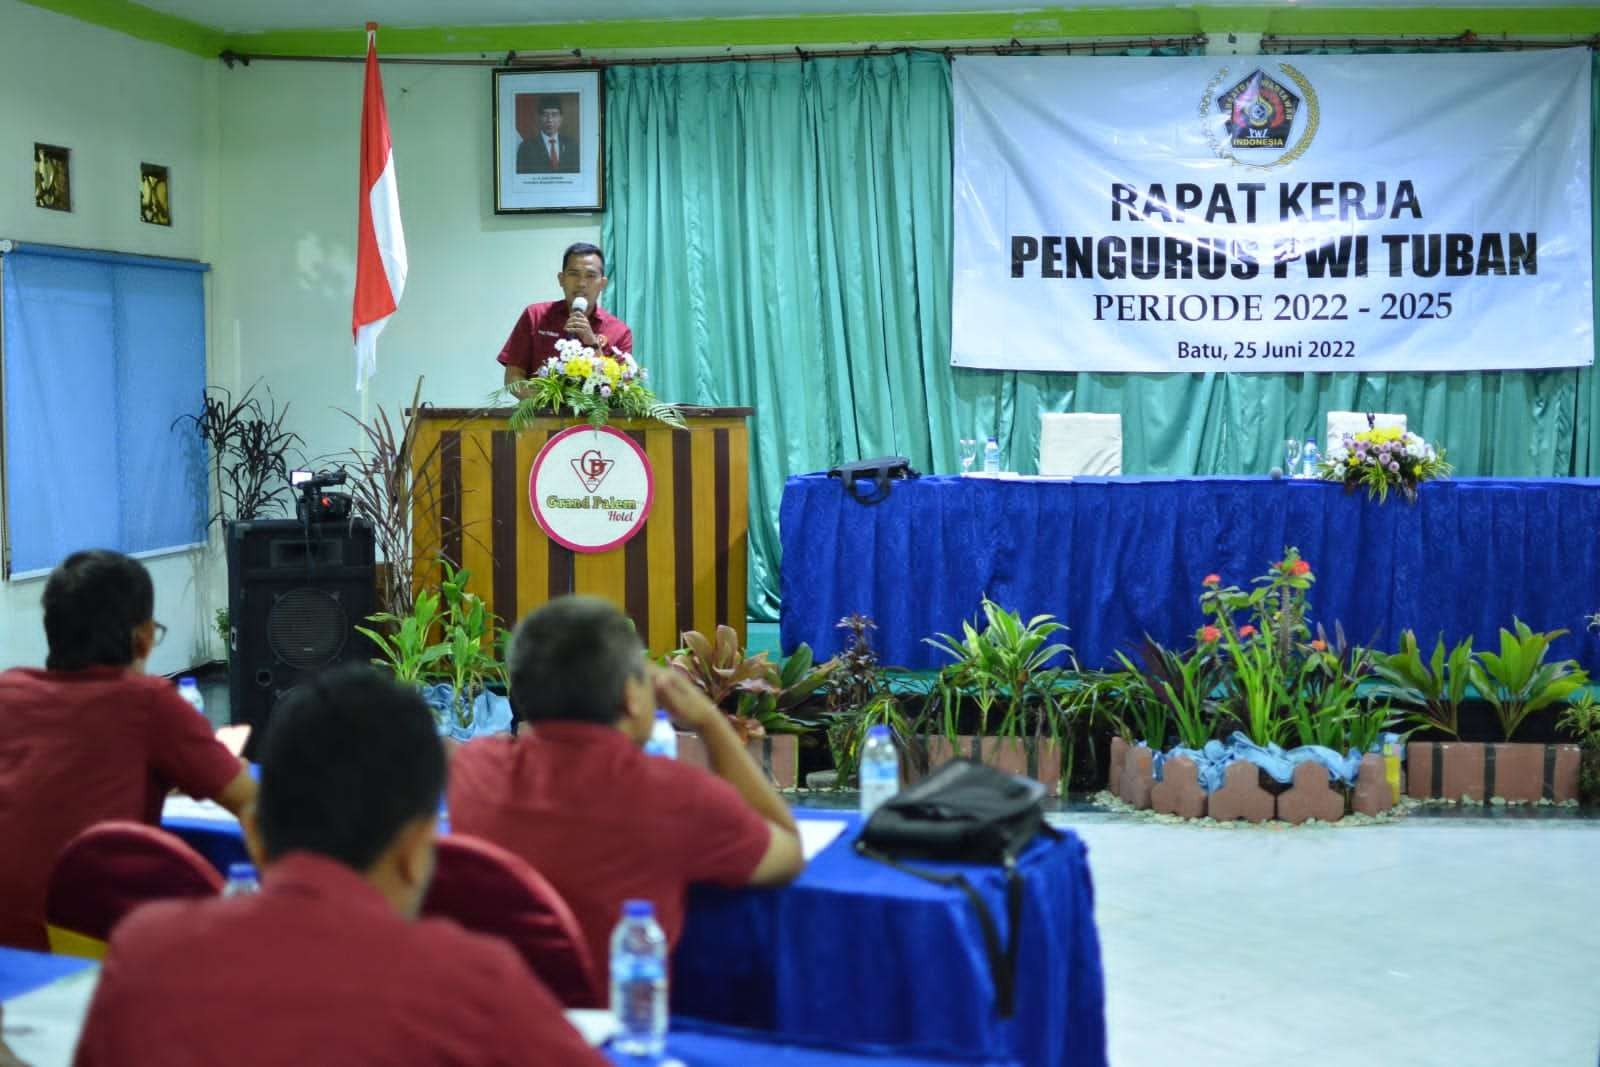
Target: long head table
1117 558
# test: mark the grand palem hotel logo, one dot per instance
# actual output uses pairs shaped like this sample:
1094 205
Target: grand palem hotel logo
1264 119
564 488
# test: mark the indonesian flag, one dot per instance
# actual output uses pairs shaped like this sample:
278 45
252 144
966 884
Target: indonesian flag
380 240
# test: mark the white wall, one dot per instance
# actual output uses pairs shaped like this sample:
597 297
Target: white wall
289 180
116 102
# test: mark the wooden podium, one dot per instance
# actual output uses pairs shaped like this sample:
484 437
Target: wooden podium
685 570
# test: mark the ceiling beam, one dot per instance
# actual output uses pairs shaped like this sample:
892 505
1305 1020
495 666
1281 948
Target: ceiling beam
1055 23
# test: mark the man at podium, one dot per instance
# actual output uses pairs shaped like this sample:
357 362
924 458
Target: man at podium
533 339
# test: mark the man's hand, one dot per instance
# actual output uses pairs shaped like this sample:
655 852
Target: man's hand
682 699
578 326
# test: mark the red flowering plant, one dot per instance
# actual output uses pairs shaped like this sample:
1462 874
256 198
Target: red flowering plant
1281 680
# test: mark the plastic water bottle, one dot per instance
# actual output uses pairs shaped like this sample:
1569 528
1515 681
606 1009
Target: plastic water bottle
1310 458
1392 755
880 770
991 456
663 737
241 880
639 981
189 690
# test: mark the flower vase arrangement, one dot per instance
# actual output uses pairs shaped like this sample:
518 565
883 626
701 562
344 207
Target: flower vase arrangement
1381 459
589 383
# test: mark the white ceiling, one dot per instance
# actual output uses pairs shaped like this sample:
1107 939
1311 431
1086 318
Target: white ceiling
242 16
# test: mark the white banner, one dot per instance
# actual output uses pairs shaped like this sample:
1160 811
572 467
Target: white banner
1273 213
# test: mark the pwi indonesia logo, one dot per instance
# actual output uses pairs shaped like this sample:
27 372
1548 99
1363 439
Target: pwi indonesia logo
1260 112
1259 120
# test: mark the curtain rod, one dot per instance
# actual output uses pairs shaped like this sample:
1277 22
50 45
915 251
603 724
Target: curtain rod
576 58
1466 39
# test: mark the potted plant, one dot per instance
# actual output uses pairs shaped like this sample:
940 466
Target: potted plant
1582 719
860 696
1004 667
756 695
448 646
1431 694
1518 682
387 488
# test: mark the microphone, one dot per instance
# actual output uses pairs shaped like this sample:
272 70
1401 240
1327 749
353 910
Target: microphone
579 304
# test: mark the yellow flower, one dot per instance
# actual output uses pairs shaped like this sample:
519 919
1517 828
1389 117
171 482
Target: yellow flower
580 367
1380 435
611 369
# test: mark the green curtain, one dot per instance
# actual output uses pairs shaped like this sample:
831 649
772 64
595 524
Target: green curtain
779 236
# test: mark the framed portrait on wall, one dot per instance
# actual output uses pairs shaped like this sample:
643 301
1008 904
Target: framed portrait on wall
548 151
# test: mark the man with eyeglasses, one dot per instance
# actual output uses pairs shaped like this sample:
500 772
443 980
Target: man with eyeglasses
92 737
540 326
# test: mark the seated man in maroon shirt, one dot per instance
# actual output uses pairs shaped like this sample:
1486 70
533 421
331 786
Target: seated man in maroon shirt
533 339
325 965
92 737
577 798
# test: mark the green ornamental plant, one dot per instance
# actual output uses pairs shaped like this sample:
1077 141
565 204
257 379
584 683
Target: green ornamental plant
1005 665
794 680
1131 703
757 695
1582 720
1432 691
471 661
1518 682
1184 683
448 637
407 642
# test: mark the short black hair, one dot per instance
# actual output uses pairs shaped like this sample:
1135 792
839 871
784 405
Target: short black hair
583 248
350 757
570 659
546 103
93 600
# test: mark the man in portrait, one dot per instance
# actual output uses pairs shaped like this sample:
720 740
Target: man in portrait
550 151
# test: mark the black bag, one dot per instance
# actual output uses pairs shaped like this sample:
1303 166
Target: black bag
965 812
879 471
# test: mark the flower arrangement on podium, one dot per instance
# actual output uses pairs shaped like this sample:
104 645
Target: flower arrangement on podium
1381 459
590 384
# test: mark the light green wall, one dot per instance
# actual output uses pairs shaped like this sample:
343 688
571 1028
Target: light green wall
115 102
289 184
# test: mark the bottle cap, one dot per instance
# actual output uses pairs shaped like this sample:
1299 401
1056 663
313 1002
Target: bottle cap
638 909
662 716
878 731
188 679
241 872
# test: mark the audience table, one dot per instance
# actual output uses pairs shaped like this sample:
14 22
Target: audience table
857 953
1118 558
47 1032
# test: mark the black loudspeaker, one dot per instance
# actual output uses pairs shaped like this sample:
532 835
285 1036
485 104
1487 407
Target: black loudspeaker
296 593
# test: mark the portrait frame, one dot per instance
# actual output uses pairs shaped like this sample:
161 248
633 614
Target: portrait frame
549 148
155 197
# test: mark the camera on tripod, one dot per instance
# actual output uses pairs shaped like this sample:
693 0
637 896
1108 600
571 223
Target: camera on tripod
316 503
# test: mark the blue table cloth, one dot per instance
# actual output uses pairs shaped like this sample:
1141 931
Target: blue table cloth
22 971
1116 558
703 1045
858 953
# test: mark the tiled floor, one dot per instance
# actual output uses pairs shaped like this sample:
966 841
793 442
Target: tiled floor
1449 942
